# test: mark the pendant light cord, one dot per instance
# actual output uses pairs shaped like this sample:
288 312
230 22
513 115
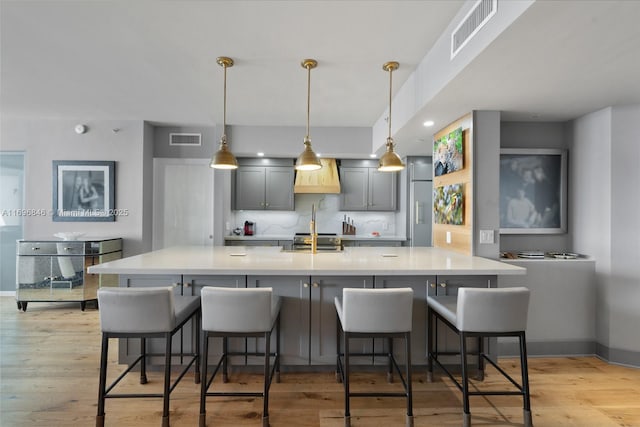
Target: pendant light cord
308 97
390 83
224 103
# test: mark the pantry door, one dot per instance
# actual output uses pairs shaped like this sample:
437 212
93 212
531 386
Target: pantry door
182 202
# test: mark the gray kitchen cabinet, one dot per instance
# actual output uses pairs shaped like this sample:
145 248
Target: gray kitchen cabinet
420 286
449 285
351 242
258 187
364 188
294 317
56 270
308 311
251 243
324 289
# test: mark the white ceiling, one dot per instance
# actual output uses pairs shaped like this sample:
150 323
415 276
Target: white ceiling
155 60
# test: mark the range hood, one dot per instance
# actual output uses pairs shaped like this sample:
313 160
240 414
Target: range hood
322 181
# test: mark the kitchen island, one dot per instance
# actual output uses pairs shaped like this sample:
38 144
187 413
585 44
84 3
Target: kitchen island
308 283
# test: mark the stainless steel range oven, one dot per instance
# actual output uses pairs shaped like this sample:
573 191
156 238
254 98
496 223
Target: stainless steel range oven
326 242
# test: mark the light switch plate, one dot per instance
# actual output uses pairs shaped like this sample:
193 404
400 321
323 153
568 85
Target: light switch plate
486 237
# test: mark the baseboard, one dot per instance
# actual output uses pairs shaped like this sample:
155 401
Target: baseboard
618 356
572 348
549 348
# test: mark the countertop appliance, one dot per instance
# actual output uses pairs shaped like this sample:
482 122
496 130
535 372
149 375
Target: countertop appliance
249 228
326 242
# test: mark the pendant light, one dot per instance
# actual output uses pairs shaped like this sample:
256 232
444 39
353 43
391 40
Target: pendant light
390 161
223 158
308 160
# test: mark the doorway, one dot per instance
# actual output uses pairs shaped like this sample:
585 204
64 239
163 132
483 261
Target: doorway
12 216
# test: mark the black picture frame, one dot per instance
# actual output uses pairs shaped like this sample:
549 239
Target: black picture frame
83 190
533 191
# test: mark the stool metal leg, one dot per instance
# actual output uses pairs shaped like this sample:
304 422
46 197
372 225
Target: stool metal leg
195 324
389 360
466 416
267 371
430 347
407 340
277 361
338 375
225 359
528 421
204 355
103 381
167 381
480 374
143 361
347 412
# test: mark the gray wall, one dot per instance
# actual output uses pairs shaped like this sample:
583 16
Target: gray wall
47 140
605 174
486 178
537 135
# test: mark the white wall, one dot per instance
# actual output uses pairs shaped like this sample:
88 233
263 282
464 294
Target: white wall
45 140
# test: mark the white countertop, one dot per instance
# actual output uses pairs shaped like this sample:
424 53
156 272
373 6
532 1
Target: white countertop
356 261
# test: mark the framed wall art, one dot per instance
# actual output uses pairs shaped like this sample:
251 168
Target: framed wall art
448 153
83 190
533 191
448 204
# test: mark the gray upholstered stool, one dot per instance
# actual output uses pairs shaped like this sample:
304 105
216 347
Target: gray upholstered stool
145 313
239 312
375 313
480 313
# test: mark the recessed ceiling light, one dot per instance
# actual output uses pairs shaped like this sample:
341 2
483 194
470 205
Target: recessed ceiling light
260 154
428 123
373 155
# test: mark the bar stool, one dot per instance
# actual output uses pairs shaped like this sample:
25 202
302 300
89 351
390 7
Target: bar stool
143 313
375 313
480 313
239 312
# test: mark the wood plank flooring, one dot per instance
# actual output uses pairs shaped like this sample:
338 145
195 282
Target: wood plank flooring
49 357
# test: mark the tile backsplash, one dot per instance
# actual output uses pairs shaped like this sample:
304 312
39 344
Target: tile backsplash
328 218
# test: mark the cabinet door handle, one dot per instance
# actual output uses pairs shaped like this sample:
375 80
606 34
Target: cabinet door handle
266 204
35 248
315 285
306 285
433 285
68 248
443 285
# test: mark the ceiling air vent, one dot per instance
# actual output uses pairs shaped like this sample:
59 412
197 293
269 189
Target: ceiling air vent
185 139
479 15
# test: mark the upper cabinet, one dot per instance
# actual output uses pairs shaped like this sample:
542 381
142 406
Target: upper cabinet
364 188
263 184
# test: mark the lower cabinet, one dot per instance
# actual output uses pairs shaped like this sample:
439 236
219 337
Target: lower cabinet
308 315
308 318
420 286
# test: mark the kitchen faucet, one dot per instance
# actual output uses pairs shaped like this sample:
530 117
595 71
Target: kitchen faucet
313 230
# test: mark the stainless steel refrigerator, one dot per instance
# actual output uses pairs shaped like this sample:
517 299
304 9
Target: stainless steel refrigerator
420 201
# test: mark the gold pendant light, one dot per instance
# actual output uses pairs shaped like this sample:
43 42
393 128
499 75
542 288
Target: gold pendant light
390 161
308 160
223 158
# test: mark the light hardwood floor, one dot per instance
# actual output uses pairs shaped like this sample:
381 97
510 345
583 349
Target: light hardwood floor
49 359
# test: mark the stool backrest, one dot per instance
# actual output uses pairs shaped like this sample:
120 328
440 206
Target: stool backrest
492 309
377 310
236 309
137 309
